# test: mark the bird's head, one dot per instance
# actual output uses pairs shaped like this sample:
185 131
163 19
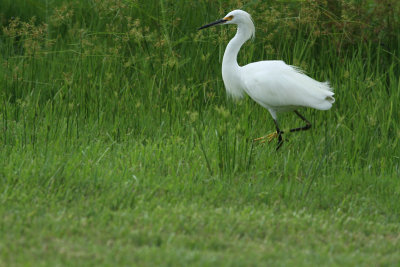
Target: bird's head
238 17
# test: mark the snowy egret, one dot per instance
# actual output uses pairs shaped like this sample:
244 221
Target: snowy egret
273 84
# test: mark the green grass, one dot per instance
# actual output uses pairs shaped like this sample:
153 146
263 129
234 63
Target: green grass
119 146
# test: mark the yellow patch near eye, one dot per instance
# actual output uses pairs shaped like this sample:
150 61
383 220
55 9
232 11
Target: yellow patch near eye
228 18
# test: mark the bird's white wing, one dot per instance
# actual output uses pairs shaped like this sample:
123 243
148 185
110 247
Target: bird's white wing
278 86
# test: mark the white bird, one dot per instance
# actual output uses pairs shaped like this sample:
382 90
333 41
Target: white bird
273 84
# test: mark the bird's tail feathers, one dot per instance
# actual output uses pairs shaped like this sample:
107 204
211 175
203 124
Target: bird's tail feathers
322 92
327 86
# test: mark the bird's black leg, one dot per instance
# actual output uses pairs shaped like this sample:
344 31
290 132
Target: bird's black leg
304 128
279 132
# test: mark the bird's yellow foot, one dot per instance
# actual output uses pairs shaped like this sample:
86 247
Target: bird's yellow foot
268 138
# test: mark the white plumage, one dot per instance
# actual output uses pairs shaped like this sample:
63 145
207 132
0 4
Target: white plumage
273 84
279 87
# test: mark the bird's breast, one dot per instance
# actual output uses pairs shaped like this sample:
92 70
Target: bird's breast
232 81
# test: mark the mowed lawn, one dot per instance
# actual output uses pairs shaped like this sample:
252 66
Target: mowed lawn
118 145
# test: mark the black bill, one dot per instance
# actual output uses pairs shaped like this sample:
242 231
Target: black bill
213 23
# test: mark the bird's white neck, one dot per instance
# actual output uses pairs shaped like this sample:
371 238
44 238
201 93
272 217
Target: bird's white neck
230 67
230 56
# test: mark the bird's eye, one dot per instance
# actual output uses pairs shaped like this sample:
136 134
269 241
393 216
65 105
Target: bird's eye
228 18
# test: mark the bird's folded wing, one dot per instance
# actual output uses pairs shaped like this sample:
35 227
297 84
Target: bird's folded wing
276 85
